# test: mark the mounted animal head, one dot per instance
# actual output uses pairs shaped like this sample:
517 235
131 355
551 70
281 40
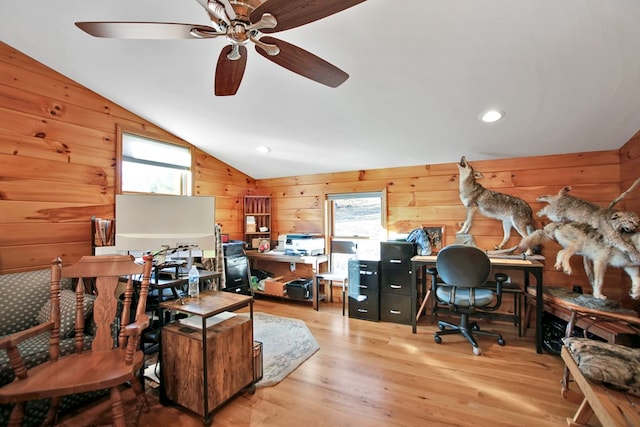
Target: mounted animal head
624 221
466 171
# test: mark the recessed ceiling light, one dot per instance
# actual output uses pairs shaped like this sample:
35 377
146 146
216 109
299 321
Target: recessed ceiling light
263 149
491 116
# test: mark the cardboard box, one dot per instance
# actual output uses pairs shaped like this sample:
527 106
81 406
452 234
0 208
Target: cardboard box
251 228
275 286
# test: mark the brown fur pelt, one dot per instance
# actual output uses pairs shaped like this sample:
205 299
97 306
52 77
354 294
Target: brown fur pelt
563 207
512 211
585 240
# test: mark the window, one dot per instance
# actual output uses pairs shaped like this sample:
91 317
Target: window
149 165
355 223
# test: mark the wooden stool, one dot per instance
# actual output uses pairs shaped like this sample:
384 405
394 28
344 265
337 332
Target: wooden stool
330 277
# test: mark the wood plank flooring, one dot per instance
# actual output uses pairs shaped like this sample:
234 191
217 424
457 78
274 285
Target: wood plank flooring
380 374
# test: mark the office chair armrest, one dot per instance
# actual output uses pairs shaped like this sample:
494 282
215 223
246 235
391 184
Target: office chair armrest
500 279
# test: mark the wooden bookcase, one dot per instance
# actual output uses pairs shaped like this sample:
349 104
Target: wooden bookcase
257 217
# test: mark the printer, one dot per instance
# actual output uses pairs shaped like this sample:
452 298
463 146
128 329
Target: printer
301 244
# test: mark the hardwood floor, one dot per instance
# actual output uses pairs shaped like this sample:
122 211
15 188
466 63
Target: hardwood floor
380 374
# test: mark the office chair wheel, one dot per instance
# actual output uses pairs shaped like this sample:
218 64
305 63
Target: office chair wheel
477 351
437 339
501 342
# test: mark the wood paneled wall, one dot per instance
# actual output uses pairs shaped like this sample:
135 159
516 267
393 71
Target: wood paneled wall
57 158
429 195
57 165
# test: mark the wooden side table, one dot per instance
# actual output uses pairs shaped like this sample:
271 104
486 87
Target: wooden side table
201 368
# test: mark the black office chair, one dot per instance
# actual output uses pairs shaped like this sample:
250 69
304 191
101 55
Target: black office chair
463 270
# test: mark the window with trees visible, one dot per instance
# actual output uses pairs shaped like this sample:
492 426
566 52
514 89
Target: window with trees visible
356 223
148 165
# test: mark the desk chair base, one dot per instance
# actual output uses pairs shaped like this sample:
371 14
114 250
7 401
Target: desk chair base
466 329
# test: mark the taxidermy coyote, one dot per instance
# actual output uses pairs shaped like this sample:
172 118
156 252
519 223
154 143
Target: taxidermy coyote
585 240
564 207
512 211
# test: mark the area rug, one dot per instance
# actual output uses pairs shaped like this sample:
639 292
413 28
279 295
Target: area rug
286 344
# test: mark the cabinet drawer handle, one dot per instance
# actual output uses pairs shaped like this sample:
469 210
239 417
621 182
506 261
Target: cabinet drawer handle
395 312
395 286
364 287
362 310
395 261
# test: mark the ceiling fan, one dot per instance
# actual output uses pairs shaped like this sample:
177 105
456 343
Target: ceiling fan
241 22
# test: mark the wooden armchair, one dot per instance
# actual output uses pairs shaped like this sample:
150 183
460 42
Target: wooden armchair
114 358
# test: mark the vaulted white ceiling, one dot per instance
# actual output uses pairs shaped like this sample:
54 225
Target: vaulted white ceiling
566 73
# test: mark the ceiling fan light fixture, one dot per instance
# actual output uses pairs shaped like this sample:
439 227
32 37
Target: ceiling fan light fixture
263 149
491 116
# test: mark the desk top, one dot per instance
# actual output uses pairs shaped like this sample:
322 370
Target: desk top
500 262
267 256
171 283
209 303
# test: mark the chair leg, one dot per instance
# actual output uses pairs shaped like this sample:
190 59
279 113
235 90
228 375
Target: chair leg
17 415
117 408
344 292
330 283
50 420
142 404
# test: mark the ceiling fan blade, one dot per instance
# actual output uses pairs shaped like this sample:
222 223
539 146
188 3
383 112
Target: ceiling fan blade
304 63
147 30
229 72
294 13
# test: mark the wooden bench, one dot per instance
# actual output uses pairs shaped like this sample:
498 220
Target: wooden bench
611 407
614 328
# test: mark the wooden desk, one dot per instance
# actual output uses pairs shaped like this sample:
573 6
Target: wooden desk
314 261
193 380
419 264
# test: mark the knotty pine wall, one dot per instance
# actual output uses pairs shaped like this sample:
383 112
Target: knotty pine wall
57 165
57 159
429 195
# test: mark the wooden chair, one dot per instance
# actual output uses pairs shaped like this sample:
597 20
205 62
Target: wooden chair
114 358
339 268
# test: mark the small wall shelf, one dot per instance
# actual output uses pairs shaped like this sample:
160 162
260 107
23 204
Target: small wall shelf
257 217
103 233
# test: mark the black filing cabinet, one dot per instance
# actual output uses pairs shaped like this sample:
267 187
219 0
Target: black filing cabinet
364 291
395 281
236 268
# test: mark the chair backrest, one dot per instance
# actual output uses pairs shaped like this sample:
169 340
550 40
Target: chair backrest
107 271
341 252
463 266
